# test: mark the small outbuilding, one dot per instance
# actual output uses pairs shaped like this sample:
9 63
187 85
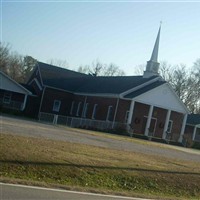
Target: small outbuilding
12 94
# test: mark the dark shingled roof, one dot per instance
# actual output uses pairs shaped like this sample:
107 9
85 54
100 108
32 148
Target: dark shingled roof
50 71
193 119
81 83
144 89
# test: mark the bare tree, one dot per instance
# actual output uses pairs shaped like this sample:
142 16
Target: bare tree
113 70
99 69
15 67
58 62
4 56
28 65
139 69
84 69
14 64
195 79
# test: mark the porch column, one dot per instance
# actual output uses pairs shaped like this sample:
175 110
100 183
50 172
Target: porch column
146 133
130 116
116 108
183 128
194 133
166 124
24 104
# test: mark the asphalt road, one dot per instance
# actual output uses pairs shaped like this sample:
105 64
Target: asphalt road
35 129
21 192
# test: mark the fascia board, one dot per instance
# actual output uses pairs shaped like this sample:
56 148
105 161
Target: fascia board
99 95
177 97
51 87
40 74
197 125
85 94
27 91
139 87
144 102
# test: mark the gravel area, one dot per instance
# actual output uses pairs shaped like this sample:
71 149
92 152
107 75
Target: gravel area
11 125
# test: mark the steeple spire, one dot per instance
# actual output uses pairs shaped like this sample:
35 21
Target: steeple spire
153 65
154 56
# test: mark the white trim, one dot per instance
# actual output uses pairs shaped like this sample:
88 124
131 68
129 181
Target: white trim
40 74
139 86
24 104
126 117
107 95
154 130
41 101
178 98
94 111
131 112
160 106
47 86
56 108
194 133
166 124
84 106
146 133
38 84
170 125
72 108
78 109
104 95
182 128
108 113
85 110
116 108
27 91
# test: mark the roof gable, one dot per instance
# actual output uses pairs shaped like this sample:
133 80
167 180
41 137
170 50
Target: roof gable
6 83
144 89
161 95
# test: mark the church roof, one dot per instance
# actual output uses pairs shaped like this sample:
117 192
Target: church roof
81 83
145 89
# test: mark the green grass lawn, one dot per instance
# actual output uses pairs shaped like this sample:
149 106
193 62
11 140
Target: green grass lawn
50 163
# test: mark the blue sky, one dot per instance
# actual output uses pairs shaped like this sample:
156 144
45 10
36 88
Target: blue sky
119 32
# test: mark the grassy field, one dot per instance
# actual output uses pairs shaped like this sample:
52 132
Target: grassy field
45 162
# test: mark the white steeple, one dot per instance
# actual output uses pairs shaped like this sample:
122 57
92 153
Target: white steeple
153 64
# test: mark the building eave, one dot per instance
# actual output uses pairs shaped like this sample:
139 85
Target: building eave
139 86
27 91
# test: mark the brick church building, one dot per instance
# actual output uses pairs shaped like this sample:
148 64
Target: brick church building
143 105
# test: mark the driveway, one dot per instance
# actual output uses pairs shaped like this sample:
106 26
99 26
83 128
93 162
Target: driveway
22 192
16 126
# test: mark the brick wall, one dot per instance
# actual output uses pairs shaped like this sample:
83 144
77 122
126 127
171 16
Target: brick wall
177 119
160 115
123 107
138 123
52 94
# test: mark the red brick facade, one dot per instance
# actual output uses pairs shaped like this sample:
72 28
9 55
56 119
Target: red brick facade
111 109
